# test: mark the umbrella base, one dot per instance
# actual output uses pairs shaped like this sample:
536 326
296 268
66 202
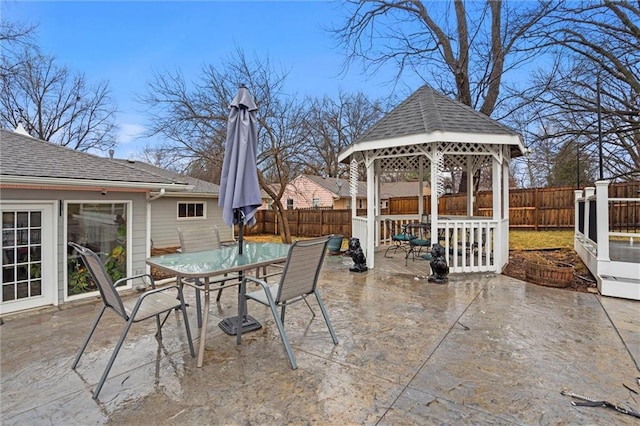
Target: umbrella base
230 325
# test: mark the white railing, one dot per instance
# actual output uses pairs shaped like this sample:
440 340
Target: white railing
592 224
469 243
386 230
359 230
593 240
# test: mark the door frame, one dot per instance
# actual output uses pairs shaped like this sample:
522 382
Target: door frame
50 281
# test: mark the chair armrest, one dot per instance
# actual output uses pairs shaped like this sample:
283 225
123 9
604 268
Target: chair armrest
263 283
125 279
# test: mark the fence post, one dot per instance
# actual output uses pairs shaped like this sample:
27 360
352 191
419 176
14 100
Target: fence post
576 216
535 210
602 215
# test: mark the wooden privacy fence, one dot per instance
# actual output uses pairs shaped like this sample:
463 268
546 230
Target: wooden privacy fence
305 223
534 208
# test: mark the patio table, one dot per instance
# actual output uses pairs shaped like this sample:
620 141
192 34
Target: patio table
203 265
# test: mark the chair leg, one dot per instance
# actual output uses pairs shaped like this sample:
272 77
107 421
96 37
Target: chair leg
326 317
183 308
113 357
219 292
159 325
310 308
86 341
283 334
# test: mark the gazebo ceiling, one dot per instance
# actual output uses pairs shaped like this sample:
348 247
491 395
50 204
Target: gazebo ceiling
426 122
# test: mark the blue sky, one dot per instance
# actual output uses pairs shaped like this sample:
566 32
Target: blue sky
124 42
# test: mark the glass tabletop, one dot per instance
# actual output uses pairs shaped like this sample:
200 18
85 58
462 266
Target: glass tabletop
222 260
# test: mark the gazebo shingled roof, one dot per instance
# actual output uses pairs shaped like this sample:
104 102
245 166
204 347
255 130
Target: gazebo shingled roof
428 116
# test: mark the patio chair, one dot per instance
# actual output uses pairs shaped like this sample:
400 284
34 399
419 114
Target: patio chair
400 238
299 279
192 240
150 304
419 241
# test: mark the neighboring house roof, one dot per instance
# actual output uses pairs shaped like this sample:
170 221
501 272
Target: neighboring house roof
402 189
338 187
199 186
429 116
387 189
26 160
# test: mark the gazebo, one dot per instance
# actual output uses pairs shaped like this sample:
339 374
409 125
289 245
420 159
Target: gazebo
430 130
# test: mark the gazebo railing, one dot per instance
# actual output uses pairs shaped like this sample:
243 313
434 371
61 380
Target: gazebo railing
399 220
469 242
359 229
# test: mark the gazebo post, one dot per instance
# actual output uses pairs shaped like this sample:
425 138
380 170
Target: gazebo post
421 186
470 185
371 212
496 192
376 175
434 201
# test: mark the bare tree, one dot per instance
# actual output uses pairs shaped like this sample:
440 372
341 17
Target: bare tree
333 126
592 93
53 104
461 48
193 120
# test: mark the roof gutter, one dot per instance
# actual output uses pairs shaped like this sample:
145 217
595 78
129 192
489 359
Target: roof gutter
158 195
43 181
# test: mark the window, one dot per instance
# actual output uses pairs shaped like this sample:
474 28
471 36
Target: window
315 203
289 203
103 228
191 210
21 255
360 204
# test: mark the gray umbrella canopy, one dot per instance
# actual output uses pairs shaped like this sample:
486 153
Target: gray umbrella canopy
239 187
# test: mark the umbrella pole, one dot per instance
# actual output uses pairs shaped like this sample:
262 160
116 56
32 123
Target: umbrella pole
230 325
240 230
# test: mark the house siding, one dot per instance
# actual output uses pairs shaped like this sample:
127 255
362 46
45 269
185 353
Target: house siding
303 191
138 216
164 220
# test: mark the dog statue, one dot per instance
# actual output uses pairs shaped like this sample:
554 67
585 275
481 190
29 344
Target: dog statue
439 267
356 253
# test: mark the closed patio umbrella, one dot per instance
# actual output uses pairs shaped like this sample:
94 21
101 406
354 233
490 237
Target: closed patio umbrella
239 187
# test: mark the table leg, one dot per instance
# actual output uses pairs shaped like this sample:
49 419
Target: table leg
205 320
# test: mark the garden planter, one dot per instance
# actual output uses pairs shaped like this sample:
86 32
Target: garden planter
335 244
551 275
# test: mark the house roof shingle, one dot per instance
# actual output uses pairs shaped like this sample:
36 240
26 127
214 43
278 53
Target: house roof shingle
26 157
199 186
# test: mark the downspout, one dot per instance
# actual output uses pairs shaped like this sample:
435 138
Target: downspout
148 238
158 195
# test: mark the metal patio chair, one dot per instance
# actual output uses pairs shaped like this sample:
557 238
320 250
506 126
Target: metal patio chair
192 240
421 239
400 238
298 280
150 304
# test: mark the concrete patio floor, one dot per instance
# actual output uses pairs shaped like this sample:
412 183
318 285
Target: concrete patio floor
482 349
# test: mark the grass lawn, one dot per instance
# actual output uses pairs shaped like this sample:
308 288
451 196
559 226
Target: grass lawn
537 240
518 239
